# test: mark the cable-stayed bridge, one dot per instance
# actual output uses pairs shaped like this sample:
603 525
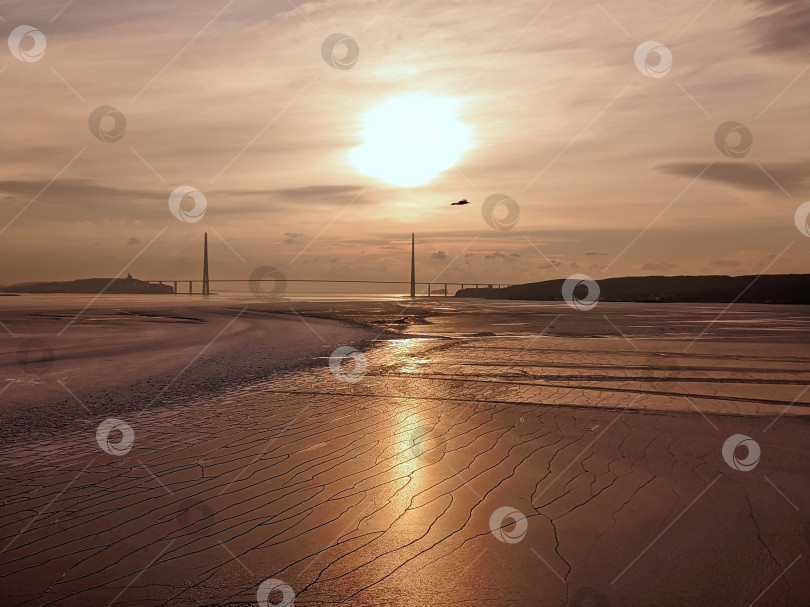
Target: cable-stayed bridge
434 287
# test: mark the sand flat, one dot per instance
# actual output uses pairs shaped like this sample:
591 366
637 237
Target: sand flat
381 492
120 358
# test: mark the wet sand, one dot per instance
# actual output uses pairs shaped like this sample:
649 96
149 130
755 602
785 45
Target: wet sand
57 370
599 434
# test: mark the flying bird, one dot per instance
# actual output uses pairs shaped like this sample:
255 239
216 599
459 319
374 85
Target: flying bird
462 201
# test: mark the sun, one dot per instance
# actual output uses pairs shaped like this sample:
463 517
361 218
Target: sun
409 140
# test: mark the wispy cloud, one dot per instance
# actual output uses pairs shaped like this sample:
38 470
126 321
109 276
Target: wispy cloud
527 84
746 175
783 27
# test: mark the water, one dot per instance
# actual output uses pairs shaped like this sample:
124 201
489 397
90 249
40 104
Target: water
79 300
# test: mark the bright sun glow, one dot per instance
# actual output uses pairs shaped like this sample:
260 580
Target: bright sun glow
411 139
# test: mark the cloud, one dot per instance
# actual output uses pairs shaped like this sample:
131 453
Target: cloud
785 28
85 200
80 200
747 175
314 191
339 195
495 255
308 8
658 267
291 237
726 263
94 16
68 187
439 255
295 174
133 241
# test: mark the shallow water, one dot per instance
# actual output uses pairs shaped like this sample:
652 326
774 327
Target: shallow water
604 443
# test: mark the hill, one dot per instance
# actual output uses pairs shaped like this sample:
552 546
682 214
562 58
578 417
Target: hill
127 285
769 288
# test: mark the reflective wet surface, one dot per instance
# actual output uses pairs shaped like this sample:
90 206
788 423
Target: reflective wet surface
516 469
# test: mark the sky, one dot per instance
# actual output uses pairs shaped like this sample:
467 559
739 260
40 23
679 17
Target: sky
616 165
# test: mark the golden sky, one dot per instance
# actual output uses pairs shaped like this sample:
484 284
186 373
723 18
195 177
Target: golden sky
614 171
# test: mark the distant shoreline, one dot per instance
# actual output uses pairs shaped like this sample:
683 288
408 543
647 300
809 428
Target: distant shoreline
93 286
781 289
765 289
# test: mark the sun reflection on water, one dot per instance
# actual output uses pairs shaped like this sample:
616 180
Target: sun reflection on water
407 355
415 447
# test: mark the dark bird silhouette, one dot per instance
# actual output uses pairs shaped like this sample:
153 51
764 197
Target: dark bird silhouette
463 201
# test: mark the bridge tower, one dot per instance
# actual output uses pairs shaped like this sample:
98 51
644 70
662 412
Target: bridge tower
413 266
205 287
